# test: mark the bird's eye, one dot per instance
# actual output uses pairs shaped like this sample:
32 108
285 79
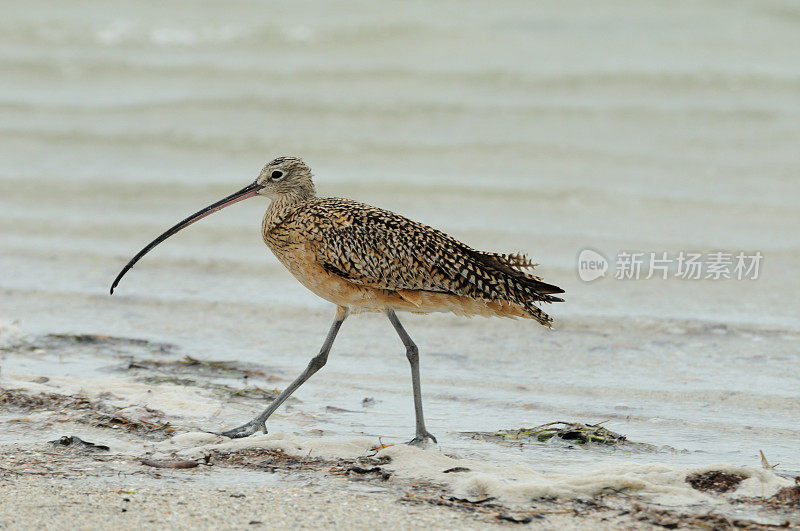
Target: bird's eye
276 175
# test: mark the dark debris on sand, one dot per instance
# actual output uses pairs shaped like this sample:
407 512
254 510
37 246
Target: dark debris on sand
672 519
570 432
175 463
198 367
787 497
715 481
786 500
76 443
276 460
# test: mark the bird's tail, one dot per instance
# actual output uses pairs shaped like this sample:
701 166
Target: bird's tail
519 285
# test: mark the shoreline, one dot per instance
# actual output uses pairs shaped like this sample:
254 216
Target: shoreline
49 487
143 473
123 423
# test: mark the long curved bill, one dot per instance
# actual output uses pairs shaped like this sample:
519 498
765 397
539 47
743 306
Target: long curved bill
241 195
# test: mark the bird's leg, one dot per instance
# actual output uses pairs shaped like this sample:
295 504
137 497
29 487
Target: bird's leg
412 353
316 363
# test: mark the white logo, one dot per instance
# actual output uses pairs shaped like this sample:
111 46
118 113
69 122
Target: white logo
591 265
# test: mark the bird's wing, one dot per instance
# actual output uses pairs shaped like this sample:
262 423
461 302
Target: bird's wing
384 250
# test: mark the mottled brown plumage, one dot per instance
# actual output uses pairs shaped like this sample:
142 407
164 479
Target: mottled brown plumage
363 258
381 250
389 260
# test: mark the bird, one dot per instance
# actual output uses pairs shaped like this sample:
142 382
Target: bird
367 259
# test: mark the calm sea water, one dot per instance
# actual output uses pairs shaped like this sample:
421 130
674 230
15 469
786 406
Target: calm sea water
514 126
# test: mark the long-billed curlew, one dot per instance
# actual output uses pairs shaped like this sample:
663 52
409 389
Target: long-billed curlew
362 258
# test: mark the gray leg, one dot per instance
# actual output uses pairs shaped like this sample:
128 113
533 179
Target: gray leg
412 353
316 363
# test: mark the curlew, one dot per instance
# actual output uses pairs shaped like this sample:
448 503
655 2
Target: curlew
363 258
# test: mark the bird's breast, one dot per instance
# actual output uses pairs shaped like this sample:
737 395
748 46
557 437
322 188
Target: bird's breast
294 252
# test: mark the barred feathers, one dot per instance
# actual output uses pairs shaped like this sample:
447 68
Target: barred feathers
379 249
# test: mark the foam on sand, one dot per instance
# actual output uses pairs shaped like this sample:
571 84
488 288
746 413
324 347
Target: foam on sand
10 335
477 479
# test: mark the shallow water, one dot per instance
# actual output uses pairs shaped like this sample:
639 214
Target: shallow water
628 127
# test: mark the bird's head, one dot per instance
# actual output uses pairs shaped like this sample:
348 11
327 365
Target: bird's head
286 177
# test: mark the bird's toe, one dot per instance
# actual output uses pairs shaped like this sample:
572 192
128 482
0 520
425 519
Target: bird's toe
422 439
245 430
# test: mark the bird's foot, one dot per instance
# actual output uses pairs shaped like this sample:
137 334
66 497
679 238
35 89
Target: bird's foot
421 439
246 430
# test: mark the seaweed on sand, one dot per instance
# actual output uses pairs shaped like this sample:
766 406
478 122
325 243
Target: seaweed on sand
715 481
224 390
787 497
134 419
573 432
195 366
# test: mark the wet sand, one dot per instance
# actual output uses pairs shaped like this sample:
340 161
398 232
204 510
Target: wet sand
98 448
51 486
48 504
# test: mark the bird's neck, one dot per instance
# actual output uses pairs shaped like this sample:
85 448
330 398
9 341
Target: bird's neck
280 207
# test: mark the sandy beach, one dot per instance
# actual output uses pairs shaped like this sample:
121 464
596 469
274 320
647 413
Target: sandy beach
607 130
82 451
